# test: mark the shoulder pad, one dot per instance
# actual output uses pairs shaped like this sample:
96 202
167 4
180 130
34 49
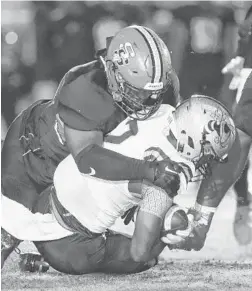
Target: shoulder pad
85 97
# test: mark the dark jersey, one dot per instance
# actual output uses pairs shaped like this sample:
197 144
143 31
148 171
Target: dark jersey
82 100
82 103
243 114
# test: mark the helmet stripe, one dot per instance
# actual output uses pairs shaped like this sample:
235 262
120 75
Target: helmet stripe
151 53
159 52
154 52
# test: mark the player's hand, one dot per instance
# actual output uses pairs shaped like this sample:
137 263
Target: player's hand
234 67
167 176
194 237
177 238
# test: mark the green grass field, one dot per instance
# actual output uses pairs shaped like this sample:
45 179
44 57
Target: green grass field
221 265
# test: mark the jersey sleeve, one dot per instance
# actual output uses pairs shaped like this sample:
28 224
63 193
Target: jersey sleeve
243 113
82 104
74 119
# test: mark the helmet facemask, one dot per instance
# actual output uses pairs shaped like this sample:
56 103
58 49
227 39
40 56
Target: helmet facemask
204 162
140 104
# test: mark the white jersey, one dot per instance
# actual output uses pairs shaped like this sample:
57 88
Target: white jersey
98 203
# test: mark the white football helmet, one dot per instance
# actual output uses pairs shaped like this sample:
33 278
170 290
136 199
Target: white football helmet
202 130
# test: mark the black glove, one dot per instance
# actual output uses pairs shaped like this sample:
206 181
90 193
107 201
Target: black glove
128 215
167 176
200 224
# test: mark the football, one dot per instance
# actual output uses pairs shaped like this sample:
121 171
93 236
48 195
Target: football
175 219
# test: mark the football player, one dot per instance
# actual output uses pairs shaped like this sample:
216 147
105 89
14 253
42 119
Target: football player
195 134
213 189
129 78
240 67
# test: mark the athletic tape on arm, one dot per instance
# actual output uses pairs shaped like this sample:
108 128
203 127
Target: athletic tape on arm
155 200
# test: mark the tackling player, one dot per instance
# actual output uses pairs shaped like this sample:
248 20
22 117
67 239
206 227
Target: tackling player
196 133
129 78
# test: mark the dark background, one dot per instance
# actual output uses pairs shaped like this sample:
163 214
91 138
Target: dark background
41 40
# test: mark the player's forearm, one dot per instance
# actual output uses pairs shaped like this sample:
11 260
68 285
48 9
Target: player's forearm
146 244
214 188
108 165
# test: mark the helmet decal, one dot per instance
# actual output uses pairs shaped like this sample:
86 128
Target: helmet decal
154 86
223 130
219 123
121 56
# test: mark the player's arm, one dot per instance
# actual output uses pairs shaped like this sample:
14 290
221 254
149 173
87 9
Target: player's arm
213 189
92 158
146 244
224 175
89 153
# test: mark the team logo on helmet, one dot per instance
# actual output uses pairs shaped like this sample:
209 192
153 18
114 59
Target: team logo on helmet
223 129
122 55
